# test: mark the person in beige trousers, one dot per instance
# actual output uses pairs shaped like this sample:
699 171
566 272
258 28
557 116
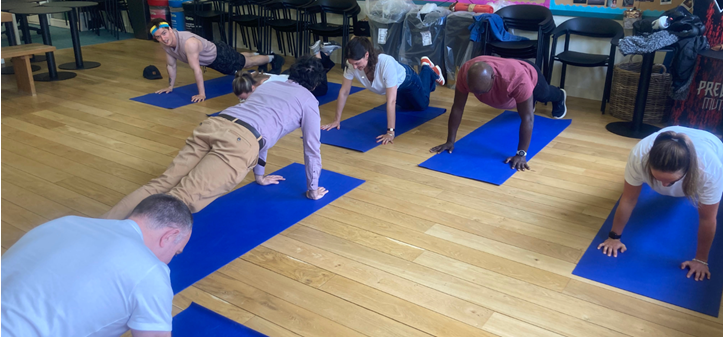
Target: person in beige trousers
223 148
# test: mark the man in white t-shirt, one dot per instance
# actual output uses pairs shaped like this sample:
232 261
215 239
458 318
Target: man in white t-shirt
77 276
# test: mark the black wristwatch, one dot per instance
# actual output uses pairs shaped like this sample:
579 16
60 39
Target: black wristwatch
521 153
614 236
390 129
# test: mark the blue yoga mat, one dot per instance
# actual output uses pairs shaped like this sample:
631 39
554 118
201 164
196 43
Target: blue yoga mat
360 132
659 236
481 154
243 219
181 96
332 93
197 321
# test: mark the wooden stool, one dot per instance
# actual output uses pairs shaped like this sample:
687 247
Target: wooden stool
21 55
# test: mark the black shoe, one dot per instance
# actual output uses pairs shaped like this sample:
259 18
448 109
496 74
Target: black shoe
277 64
559 108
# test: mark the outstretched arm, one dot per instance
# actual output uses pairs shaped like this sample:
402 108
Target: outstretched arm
171 69
525 110
193 48
453 123
699 266
388 136
341 101
625 207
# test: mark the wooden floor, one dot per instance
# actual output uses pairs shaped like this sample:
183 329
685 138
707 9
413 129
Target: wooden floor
411 252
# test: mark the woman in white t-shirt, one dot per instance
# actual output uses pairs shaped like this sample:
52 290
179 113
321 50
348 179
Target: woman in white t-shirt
679 162
383 75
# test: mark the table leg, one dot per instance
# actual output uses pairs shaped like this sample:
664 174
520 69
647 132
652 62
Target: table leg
78 64
636 128
27 39
52 74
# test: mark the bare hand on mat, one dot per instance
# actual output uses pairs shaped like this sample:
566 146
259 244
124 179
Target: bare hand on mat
697 269
317 194
386 138
198 98
612 246
518 163
269 180
165 91
444 147
331 126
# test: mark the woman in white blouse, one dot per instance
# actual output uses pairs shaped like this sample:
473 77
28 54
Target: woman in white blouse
383 75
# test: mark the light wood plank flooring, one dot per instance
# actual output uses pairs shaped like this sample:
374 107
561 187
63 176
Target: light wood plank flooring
411 252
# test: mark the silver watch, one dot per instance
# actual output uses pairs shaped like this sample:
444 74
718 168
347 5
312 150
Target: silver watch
521 153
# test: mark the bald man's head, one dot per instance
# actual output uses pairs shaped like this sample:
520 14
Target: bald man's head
480 78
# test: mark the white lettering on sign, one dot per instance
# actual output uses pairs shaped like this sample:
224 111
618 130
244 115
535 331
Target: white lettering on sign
711 104
382 35
426 38
711 89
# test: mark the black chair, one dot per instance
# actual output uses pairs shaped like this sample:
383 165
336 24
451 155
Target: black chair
348 9
527 18
588 27
205 14
284 16
247 15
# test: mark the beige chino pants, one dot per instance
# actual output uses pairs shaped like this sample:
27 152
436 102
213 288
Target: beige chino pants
216 158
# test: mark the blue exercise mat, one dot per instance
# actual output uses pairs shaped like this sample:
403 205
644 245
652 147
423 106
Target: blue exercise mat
360 132
659 236
243 219
332 93
197 321
481 154
181 96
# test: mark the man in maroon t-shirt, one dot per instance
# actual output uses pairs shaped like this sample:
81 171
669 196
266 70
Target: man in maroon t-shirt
503 84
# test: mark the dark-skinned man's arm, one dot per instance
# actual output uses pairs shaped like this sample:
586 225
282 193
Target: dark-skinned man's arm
525 110
453 123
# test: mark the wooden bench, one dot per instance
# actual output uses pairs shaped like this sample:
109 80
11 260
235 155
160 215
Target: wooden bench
20 56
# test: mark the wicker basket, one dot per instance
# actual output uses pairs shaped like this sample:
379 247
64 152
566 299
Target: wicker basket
625 84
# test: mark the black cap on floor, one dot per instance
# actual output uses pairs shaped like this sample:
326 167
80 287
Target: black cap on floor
152 73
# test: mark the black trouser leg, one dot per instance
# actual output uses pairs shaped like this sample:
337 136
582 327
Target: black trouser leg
544 92
322 88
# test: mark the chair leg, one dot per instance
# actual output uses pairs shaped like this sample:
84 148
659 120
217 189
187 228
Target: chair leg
24 74
563 75
607 88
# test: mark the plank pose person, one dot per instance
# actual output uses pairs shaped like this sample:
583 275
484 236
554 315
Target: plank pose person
383 75
223 148
503 84
77 276
679 162
197 51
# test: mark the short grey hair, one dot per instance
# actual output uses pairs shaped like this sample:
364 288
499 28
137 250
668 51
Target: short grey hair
163 210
